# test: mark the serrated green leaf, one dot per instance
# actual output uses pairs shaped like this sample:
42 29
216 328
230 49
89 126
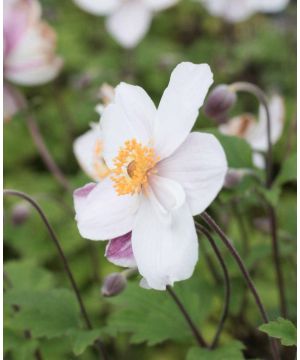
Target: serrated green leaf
238 151
288 170
81 339
231 351
282 329
152 316
45 313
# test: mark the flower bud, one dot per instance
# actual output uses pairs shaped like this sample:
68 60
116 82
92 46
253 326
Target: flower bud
233 178
20 213
219 101
113 284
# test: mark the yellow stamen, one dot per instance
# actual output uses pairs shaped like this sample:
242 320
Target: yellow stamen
132 166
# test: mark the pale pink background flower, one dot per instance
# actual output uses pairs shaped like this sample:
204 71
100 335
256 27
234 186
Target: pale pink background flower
160 177
127 20
240 10
28 50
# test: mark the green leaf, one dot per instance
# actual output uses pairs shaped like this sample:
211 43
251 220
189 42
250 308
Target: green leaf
45 313
282 329
271 195
288 171
152 316
238 151
81 339
231 351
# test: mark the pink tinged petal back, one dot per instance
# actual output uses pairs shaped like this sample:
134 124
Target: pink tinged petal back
129 24
98 7
119 251
129 117
200 166
158 5
165 252
179 106
13 101
102 214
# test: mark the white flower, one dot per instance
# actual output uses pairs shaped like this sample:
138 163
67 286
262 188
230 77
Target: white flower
255 132
240 10
160 176
29 48
128 20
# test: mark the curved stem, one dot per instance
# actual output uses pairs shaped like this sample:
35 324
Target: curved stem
262 98
44 153
199 338
62 257
203 230
214 226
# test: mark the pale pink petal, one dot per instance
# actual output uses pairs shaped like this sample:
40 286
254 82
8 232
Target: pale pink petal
270 6
158 5
13 101
199 165
129 23
98 7
179 106
129 117
165 251
102 214
231 10
119 251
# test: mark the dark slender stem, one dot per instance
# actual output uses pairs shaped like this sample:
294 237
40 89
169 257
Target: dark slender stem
44 153
62 256
199 338
276 256
262 98
214 226
203 230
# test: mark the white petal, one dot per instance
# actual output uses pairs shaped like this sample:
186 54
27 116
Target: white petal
271 5
179 106
259 160
129 117
257 137
165 252
101 214
119 251
239 126
231 10
168 193
98 7
130 23
200 166
158 5
85 150
13 101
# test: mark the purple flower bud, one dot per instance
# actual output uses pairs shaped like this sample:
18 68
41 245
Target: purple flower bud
113 284
233 178
219 101
20 213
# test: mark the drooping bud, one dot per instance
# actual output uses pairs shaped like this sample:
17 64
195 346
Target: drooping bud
20 213
233 177
219 102
113 284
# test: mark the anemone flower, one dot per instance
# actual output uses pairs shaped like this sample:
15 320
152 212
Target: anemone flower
240 10
160 176
128 20
28 51
254 131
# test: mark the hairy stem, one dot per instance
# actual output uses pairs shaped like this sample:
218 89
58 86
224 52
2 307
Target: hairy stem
199 338
62 257
204 231
214 226
262 98
44 153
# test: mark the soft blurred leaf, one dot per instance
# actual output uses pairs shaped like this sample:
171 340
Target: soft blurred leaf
288 171
282 329
231 351
81 339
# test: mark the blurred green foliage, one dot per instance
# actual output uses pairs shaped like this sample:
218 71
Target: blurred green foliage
141 324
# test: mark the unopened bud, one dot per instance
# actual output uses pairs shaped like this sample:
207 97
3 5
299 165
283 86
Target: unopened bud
113 284
219 102
233 178
20 213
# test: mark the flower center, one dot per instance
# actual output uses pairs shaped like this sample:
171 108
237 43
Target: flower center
132 166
